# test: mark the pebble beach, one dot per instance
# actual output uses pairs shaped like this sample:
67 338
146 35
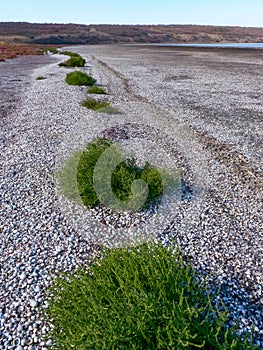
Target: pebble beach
197 110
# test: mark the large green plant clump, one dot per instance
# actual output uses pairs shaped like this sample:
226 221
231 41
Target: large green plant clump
145 297
122 177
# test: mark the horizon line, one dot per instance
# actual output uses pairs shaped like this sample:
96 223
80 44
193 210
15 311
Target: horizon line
136 24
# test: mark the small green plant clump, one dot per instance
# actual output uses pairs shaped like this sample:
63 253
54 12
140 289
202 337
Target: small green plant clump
96 90
142 297
95 105
51 49
79 78
99 106
69 53
74 61
41 77
54 50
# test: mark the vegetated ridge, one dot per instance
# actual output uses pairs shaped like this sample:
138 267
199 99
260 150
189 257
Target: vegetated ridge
60 34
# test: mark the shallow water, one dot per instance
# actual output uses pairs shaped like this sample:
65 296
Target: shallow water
219 45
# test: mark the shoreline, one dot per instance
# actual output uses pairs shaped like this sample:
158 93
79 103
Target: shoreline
211 45
43 232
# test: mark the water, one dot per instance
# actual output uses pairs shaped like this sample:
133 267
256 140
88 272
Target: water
219 45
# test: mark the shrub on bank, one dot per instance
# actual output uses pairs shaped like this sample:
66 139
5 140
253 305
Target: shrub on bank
73 62
109 110
142 297
95 105
99 106
79 78
96 90
122 177
69 53
41 77
53 50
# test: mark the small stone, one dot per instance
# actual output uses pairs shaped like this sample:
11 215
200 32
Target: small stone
35 339
22 276
33 303
49 342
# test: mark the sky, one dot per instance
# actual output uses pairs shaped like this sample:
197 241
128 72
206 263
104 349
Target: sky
209 12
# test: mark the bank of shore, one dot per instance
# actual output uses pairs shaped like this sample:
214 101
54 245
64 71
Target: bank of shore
199 108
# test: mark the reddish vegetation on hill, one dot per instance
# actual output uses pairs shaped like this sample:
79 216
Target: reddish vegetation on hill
23 32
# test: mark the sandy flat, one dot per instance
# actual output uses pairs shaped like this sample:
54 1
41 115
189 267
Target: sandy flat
218 91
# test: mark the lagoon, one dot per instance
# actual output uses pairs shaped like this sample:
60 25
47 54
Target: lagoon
218 45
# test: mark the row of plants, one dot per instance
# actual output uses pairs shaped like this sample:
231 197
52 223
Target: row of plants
83 79
139 297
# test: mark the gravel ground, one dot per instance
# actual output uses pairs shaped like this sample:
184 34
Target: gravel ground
15 78
196 110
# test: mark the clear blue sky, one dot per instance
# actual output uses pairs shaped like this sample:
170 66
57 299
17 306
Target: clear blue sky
217 12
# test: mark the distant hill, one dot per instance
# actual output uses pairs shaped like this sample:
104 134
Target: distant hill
60 34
